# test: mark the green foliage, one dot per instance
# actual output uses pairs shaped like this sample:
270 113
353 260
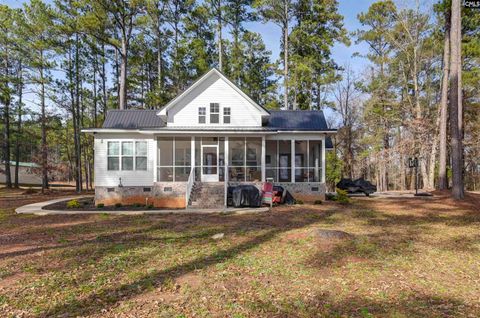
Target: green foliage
298 201
118 205
100 206
149 206
73 204
137 205
318 202
342 196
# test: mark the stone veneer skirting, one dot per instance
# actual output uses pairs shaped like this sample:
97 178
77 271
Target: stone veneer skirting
305 191
162 195
172 194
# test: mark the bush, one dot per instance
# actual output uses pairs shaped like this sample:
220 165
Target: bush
149 206
118 205
137 205
342 196
73 204
100 205
318 202
330 197
298 201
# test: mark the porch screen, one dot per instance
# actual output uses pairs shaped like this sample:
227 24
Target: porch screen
244 162
174 159
307 156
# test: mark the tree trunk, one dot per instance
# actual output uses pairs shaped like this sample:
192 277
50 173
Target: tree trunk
219 29
285 56
456 102
159 62
6 128
19 124
76 133
442 165
44 127
104 83
123 76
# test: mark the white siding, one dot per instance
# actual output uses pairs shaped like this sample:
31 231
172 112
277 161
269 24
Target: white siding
214 90
106 178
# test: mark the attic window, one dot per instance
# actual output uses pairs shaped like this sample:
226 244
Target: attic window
202 115
214 113
226 115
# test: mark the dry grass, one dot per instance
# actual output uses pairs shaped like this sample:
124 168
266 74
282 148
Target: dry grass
408 258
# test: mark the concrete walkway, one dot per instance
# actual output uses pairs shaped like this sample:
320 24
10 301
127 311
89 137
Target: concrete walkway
37 209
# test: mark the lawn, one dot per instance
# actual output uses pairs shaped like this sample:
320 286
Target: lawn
407 258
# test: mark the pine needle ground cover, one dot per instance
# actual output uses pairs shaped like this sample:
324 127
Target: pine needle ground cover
401 258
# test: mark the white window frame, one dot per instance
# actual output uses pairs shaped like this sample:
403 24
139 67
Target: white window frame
217 105
120 154
229 115
204 115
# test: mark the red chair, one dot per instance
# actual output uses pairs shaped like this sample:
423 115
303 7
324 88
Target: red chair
267 193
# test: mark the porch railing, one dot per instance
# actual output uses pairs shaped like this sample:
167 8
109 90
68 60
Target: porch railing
190 182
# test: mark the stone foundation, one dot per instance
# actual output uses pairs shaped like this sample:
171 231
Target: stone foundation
162 195
171 195
307 192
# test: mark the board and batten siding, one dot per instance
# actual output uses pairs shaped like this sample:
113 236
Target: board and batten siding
214 90
110 178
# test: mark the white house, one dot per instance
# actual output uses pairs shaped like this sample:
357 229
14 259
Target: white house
210 134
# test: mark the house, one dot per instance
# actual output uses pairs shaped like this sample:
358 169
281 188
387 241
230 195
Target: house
209 135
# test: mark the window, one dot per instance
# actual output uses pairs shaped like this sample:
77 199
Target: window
127 155
140 155
226 115
202 115
214 113
113 155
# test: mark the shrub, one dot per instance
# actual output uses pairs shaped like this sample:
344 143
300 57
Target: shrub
118 205
342 196
137 205
100 205
298 201
318 202
149 206
73 204
330 196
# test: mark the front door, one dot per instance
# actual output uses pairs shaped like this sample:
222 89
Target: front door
210 163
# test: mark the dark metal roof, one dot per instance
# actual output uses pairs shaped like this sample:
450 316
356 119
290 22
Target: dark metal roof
133 119
297 120
279 120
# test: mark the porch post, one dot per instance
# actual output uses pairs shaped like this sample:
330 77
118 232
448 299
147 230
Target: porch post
323 158
155 160
192 153
292 150
225 172
263 158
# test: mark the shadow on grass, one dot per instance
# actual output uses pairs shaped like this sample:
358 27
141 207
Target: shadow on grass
268 225
327 305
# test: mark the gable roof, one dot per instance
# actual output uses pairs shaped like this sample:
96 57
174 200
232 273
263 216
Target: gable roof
133 119
298 120
213 71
